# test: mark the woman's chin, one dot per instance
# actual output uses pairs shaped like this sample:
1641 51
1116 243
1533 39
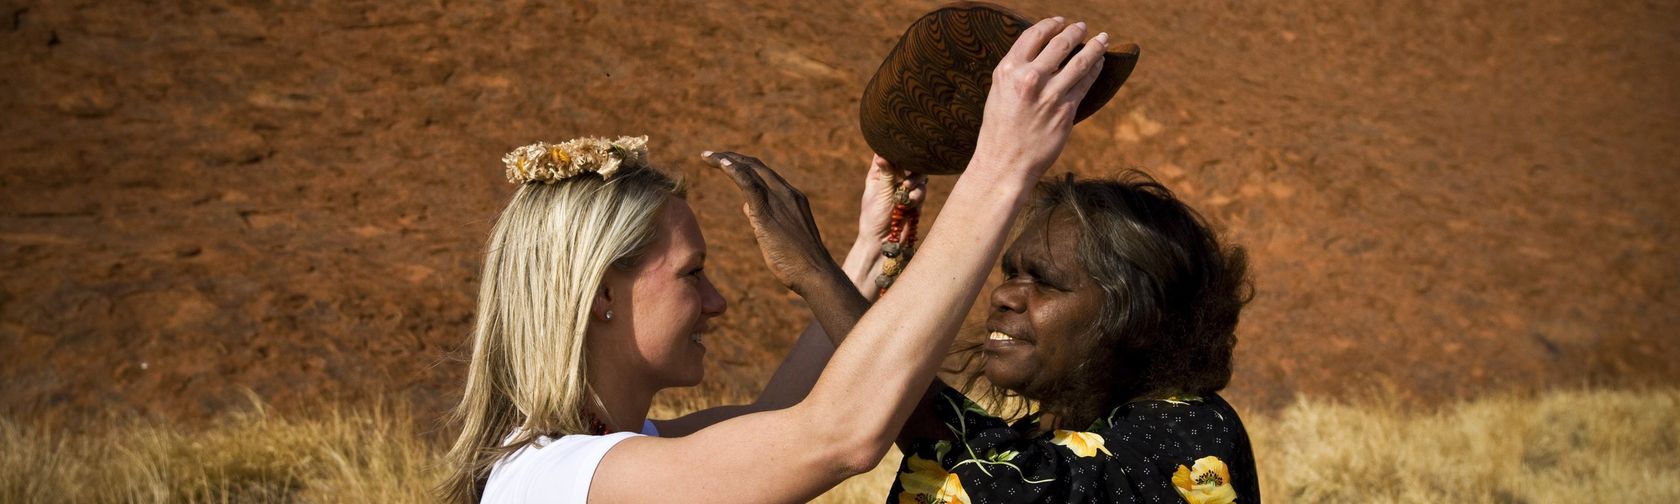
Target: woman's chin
696 367
684 375
694 378
1006 374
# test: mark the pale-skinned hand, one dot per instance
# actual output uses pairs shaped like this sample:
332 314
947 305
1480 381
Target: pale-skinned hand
879 186
1033 99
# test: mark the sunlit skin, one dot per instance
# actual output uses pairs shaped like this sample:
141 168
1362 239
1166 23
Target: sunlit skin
1044 312
661 312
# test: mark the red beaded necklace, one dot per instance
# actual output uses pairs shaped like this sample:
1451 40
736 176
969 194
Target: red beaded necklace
596 426
897 250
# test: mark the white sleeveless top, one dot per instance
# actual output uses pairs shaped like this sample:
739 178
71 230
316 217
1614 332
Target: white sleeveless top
552 470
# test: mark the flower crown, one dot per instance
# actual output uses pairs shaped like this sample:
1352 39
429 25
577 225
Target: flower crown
550 163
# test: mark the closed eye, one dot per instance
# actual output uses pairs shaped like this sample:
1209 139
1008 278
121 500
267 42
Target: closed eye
1010 274
1040 278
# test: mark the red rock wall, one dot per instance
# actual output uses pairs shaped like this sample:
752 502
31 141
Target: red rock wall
204 197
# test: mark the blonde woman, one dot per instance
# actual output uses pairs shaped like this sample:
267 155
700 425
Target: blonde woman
595 298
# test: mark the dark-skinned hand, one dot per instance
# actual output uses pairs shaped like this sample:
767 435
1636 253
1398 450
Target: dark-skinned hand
781 221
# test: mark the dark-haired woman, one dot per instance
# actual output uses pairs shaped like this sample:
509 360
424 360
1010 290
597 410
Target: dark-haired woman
595 297
1117 317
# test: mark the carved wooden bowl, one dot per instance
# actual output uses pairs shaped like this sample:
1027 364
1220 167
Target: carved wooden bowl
922 109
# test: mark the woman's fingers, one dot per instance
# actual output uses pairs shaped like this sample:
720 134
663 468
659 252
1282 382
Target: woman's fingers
1057 50
772 181
876 159
882 170
914 184
917 189
746 179
759 182
1032 41
780 217
768 194
1084 85
1076 78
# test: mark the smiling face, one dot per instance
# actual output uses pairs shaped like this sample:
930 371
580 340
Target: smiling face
663 307
1043 316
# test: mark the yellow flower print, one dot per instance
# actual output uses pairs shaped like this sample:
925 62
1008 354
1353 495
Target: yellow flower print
1209 482
927 483
1084 444
1182 399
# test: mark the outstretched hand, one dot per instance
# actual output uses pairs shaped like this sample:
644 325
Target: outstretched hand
1033 99
781 221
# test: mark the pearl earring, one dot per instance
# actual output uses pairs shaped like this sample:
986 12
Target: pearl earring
609 314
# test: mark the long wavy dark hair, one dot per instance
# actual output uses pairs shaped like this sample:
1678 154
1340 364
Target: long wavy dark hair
1173 293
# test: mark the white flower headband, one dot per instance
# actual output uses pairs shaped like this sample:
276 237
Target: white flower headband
550 163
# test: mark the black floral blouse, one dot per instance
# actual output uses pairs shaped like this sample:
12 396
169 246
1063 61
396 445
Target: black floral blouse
1190 449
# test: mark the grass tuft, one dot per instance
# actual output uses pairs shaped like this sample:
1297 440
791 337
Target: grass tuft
350 455
1566 446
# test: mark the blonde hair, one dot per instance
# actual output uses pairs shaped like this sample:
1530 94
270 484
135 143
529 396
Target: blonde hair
543 265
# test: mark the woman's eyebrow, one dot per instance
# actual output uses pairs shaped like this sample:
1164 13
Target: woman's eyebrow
695 259
1046 267
1041 269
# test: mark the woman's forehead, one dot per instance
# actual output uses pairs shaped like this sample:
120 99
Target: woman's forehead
1048 236
680 232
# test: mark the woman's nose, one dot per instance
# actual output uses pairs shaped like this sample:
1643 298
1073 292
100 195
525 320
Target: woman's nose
1008 297
712 302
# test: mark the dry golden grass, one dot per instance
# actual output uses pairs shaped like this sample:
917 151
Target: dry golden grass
1567 446
353 455
1594 446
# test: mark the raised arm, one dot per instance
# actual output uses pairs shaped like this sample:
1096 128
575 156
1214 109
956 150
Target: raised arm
831 321
880 371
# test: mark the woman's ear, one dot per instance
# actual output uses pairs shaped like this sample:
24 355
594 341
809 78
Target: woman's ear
602 308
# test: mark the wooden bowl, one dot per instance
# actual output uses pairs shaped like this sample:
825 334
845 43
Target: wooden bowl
922 109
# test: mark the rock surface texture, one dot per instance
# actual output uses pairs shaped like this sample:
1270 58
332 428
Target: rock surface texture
199 198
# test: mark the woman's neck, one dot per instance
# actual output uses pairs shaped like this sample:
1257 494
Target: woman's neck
626 404
1077 416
